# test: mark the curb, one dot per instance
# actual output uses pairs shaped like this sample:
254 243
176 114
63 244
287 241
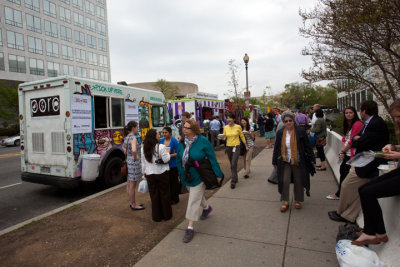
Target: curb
49 213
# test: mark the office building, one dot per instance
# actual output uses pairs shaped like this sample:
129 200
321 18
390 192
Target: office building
48 38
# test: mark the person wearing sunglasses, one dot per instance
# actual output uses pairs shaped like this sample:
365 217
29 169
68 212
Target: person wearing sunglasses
293 156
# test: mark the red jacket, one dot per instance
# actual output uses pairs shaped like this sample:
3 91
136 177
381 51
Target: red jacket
355 129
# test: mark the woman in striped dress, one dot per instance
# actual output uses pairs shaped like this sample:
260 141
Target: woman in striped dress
248 133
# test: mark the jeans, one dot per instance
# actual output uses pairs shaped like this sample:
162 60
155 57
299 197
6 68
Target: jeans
233 159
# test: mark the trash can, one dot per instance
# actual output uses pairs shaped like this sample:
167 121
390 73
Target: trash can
90 165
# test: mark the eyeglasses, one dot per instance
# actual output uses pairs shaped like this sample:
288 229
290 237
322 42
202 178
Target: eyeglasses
187 128
287 121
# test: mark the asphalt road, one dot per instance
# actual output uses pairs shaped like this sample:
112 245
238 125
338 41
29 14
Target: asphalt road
20 201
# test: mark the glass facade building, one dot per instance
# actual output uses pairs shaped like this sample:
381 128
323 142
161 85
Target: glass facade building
48 38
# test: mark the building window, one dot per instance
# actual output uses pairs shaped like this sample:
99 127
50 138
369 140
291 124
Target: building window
101 28
93 74
16 64
13 17
35 45
36 67
79 38
102 45
15 40
51 49
65 14
89 7
33 4
65 33
67 52
50 28
78 20
103 76
1 38
91 41
2 66
78 4
92 58
103 61
65 1
80 55
90 25
53 69
18 2
81 72
68 70
100 12
49 9
100 1
33 23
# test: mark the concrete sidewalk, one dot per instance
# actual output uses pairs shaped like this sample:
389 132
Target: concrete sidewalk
247 228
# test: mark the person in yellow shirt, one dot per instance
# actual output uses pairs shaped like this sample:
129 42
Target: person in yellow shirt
232 134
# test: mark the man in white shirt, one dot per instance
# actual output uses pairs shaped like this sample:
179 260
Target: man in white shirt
215 127
314 118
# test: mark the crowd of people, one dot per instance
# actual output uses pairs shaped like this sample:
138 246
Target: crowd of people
164 162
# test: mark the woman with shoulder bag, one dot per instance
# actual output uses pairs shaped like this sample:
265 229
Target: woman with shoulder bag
293 157
155 158
319 129
195 148
132 151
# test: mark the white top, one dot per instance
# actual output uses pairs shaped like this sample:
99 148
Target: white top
347 140
288 145
314 118
153 168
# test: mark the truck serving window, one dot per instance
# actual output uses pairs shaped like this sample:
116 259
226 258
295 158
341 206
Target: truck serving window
100 112
157 116
117 111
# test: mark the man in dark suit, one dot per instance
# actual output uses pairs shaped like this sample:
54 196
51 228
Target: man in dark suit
374 136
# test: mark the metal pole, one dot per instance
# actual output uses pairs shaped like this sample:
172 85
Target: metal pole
247 79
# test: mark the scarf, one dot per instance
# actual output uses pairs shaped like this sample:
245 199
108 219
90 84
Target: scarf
293 148
188 144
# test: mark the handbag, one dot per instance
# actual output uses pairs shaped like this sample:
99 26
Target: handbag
242 148
207 174
124 169
320 142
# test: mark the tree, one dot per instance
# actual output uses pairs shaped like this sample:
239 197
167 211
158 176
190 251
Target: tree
8 104
233 81
169 90
355 40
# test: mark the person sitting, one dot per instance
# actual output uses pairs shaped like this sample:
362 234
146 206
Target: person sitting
374 136
387 185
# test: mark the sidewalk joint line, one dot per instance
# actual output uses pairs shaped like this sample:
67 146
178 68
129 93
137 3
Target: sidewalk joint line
312 250
250 199
287 233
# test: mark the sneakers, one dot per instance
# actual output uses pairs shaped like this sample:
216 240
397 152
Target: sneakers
206 212
332 197
189 233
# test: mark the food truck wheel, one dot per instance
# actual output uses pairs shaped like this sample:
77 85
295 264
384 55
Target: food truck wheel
112 172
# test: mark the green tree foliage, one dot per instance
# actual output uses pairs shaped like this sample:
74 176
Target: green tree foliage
8 104
355 40
168 89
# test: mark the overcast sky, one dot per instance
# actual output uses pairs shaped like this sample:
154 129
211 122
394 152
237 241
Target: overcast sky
192 41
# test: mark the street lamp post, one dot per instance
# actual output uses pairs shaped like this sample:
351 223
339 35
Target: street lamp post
247 93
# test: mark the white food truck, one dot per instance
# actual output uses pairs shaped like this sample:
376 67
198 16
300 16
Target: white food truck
72 128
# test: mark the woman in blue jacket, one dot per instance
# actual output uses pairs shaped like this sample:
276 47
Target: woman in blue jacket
195 147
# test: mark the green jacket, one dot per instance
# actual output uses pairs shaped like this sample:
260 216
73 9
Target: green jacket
199 150
319 128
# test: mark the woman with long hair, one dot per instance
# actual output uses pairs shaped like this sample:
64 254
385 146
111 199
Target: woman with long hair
248 133
195 148
232 134
171 142
155 158
351 127
387 185
269 125
294 159
319 129
132 144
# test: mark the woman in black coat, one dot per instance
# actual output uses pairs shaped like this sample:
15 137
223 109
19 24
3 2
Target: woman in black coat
294 159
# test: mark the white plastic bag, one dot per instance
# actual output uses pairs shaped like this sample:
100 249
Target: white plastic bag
143 187
349 255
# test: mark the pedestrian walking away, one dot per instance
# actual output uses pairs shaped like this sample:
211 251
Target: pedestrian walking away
248 133
155 165
195 148
233 134
293 157
269 125
215 127
132 149
172 143
319 129
260 122
351 126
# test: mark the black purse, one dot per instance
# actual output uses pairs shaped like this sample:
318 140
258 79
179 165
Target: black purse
207 174
242 148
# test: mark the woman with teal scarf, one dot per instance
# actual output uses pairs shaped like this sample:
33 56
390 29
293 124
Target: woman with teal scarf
196 148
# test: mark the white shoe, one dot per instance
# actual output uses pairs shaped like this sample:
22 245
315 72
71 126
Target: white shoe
332 197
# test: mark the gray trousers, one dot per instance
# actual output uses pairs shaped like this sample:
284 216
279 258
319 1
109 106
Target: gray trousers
233 159
214 138
288 171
